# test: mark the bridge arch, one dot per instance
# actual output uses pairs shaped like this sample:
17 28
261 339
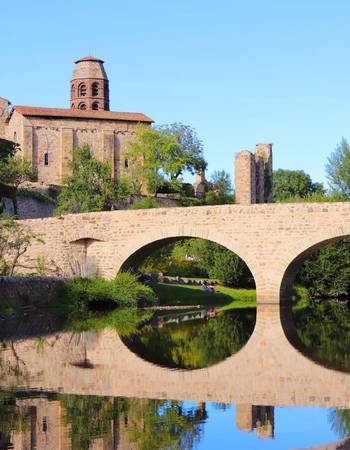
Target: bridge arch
302 253
145 246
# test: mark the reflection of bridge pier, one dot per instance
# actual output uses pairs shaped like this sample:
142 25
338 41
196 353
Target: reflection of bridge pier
260 418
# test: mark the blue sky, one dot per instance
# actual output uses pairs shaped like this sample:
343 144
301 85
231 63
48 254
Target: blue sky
239 72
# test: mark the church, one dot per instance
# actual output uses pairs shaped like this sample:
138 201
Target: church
47 136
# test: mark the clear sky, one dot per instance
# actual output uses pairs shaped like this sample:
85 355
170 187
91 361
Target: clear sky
239 72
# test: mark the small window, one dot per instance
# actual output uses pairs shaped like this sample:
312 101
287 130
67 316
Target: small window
46 159
94 89
15 137
82 90
126 163
95 106
72 105
72 90
44 424
82 106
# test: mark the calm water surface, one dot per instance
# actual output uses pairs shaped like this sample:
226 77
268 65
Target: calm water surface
128 380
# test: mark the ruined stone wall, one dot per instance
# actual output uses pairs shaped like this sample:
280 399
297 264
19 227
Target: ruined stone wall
253 175
4 104
29 291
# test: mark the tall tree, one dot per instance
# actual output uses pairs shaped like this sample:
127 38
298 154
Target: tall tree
338 169
293 183
90 187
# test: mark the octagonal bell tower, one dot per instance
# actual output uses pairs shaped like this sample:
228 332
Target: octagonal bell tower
89 85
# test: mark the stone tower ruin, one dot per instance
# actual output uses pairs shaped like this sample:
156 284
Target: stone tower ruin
253 175
89 86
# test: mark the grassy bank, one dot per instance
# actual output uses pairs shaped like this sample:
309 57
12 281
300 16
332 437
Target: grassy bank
224 298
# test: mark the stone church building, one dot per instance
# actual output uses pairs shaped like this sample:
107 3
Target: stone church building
47 136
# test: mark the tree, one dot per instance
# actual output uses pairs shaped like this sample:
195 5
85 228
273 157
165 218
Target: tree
16 170
222 182
14 242
191 146
338 169
7 149
160 156
90 187
293 183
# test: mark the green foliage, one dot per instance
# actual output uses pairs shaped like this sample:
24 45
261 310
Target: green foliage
338 169
159 156
190 144
324 329
194 344
124 321
15 170
293 183
15 240
90 187
79 294
340 421
326 273
12 418
316 197
200 258
145 203
215 198
222 183
7 149
89 418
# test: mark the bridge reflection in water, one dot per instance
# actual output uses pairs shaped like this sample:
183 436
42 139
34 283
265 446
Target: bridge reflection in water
268 371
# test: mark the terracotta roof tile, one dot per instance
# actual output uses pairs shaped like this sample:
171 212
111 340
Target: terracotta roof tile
82 114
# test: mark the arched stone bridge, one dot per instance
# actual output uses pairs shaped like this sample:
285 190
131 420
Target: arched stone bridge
268 370
273 239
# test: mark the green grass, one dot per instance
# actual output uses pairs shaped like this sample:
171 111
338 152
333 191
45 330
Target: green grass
224 298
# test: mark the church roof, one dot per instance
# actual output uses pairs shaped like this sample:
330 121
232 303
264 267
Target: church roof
82 114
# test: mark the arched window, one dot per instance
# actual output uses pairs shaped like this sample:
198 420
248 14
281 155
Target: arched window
94 89
82 90
82 106
72 105
15 137
95 106
126 163
72 88
46 159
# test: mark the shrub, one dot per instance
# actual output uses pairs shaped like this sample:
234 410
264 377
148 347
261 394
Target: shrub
78 294
145 203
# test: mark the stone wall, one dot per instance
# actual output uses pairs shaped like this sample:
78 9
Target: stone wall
29 291
55 139
29 208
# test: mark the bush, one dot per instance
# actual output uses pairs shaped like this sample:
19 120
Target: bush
78 294
145 203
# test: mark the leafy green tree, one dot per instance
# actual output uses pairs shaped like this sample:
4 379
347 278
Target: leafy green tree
338 169
90 187
222 183
293 183
16 170
159 156
7 149
326 273
145 203
191 147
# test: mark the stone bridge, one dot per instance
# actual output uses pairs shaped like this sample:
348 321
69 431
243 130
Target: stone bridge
273 239
268 370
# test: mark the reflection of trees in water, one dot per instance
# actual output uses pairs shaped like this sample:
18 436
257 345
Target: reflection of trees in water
340 421
194 344
324 329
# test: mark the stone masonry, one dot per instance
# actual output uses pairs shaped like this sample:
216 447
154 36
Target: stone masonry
273 239
253 175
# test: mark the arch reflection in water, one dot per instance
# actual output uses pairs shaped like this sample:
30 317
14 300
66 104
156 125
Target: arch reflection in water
192 340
